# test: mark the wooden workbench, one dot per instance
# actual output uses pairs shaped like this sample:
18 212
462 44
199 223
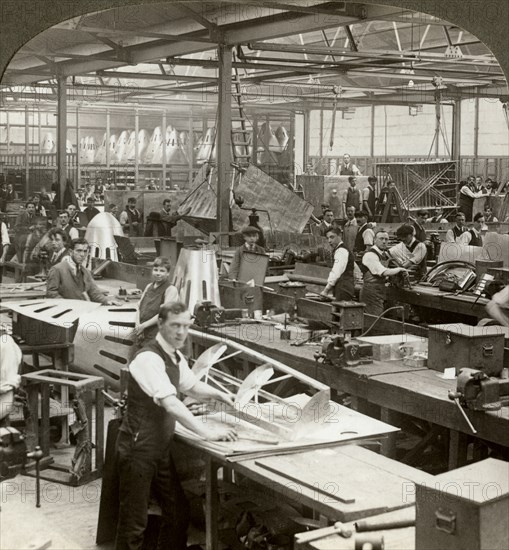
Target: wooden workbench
371 483
431 297
386 389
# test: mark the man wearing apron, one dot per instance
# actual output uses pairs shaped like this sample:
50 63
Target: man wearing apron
156 374
340 281
375 271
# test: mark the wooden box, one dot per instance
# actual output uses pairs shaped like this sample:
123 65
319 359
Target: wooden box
391 346
463 346
467 508
235 294
35 332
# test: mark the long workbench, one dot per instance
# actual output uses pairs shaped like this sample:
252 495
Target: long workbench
387 388
430 297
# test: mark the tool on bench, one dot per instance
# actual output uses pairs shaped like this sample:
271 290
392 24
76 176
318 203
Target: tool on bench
369 542
339 529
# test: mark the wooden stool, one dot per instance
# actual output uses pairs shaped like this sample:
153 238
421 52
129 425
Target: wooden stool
83 387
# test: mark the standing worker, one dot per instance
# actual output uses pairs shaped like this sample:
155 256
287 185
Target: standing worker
157 374
375 271
340 282
156 293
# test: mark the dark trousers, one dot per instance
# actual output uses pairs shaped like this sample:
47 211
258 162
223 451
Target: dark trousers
145 471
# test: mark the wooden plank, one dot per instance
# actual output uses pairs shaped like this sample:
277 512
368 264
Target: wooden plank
292 471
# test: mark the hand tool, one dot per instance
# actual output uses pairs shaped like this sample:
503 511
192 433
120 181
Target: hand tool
339 529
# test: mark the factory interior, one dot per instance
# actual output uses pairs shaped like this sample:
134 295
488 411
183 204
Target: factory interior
240 242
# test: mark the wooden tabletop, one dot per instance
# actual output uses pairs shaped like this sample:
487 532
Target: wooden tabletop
431 297
418 392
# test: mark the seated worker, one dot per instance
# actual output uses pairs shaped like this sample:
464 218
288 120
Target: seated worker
74 219
340 283
374 267
158 373
22 228
58 241
365 235
409 252
91 211
250 236
498 307
418 224
438 216
473 236
65 225
350 229
326 223
453 235
69 279
156 293
131 219
489 216
40 211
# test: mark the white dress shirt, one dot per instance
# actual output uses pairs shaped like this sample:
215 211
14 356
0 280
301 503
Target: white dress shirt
465 190
450 238
339 265
5 236
466 237
149 371
373 263
402 254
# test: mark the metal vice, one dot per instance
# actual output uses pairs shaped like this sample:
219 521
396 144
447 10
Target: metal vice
477 391
340 352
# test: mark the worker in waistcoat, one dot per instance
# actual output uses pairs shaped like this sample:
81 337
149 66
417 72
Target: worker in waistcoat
348 168
157 374
340 282
473 236
160 291
369 198
409 252
5 242
453 235
350 229
489 216
66 226
131 219
365 237
469 191
418 224
438 216
375 270
352 196
326 223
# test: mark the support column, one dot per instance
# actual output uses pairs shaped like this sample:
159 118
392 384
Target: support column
476 133
108 134
61 136
163 159
307 122
78 148
136 152
8 132
372 137
27 151
456 131
224 138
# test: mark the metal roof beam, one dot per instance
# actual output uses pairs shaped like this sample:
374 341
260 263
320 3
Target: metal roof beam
152 76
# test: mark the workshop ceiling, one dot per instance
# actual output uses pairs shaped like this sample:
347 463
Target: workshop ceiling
287 54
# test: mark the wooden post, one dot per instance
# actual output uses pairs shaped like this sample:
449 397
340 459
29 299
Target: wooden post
108 135
212 502
372 137
8 132
476 133
163 159
136 153
224 153
456 131
291 146
61 136
78 163
307 117
190 145
27 151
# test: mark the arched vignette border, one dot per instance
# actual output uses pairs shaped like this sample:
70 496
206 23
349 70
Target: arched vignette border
21 20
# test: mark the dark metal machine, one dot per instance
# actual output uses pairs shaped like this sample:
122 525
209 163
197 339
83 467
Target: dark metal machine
477 391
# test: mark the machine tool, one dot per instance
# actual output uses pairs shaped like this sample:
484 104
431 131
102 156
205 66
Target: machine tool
342 349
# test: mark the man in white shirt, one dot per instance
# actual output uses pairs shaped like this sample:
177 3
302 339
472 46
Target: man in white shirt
340 282
348 168
157 374
374 267
498 307
65 225
453 235
409 252
473 236
5 242
468 192
365 235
